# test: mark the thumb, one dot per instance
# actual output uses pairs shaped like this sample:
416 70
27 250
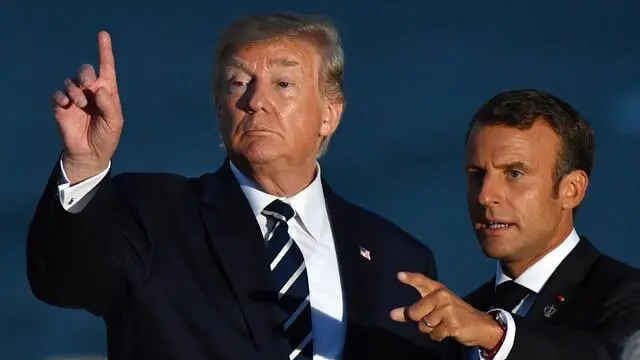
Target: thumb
106 105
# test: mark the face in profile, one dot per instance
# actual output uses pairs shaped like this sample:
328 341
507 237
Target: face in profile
517 213
272 109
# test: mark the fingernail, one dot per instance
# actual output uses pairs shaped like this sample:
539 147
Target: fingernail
402 275
393 313
84 81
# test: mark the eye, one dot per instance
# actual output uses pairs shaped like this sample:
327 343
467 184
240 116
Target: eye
284 84
475 175
515 173
237 83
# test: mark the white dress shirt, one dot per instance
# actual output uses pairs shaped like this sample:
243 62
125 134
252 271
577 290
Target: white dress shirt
309 228
534 279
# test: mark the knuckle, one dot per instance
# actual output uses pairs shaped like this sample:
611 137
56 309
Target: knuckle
413 313
442 294
449 311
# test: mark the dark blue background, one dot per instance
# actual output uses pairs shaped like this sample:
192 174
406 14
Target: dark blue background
415 73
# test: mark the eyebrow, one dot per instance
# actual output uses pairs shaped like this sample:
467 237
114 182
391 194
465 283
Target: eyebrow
511 165
281 61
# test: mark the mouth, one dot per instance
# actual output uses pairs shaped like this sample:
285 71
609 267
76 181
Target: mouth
493 226
257 132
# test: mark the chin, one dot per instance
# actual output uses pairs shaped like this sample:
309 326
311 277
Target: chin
257 153
497 249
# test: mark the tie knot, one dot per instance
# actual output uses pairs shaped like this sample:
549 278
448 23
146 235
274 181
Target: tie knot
509 294
279 210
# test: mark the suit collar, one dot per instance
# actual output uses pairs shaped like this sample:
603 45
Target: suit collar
558 291
307 203
537 274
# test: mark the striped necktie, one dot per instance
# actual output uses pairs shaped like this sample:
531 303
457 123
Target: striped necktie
289 274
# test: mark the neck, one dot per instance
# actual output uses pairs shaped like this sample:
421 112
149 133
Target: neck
515 268
279 180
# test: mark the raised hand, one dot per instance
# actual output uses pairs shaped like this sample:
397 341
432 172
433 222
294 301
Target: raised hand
441 314
89 116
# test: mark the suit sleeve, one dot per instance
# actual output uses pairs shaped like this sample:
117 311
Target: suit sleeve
616 320
92 258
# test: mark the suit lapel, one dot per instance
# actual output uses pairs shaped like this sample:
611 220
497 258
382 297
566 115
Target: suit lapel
558 292
235 235
357 273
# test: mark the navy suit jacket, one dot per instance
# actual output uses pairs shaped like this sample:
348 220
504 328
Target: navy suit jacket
176 268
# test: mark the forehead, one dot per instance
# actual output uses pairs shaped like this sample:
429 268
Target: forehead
498 143
276 53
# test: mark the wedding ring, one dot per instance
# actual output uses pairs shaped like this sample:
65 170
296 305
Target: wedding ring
424 321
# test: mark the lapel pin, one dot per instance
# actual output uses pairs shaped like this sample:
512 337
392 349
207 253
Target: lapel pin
549 311
561 298
365 253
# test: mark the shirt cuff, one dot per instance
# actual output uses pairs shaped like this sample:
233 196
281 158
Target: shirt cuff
74 198
509 338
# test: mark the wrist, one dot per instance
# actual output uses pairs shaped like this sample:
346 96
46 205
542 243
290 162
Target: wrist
496 334
79 169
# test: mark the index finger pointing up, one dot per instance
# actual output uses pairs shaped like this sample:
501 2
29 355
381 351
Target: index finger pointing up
107 61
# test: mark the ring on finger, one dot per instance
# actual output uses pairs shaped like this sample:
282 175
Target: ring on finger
424 321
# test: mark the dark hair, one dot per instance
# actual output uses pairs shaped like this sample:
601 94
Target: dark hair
522 108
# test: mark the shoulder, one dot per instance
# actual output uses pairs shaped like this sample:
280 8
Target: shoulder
616 273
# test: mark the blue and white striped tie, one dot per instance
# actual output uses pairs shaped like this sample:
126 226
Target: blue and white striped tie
289 274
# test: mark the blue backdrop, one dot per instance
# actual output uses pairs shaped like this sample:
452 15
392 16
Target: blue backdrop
415 73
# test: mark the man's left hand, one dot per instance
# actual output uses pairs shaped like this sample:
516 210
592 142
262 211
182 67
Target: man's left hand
441 314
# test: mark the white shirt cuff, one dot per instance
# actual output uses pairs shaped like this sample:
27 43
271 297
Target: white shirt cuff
74 198
509 338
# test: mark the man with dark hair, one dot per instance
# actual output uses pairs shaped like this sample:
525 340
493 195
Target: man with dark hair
554 296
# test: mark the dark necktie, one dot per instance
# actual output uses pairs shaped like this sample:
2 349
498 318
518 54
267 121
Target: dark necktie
289 274
509 294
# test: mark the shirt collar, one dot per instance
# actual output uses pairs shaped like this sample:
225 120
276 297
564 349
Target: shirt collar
537 274
307 204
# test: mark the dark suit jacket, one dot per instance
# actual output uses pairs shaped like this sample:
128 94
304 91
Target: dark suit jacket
601 309
176 268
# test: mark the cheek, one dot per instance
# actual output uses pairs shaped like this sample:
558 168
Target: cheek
536 206
524 201
301 119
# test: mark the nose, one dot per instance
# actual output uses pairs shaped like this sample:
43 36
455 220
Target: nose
254 100
490 191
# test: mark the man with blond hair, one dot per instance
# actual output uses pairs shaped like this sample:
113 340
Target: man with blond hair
259 260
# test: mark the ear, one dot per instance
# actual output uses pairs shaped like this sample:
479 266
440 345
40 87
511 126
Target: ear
331 116
573 189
